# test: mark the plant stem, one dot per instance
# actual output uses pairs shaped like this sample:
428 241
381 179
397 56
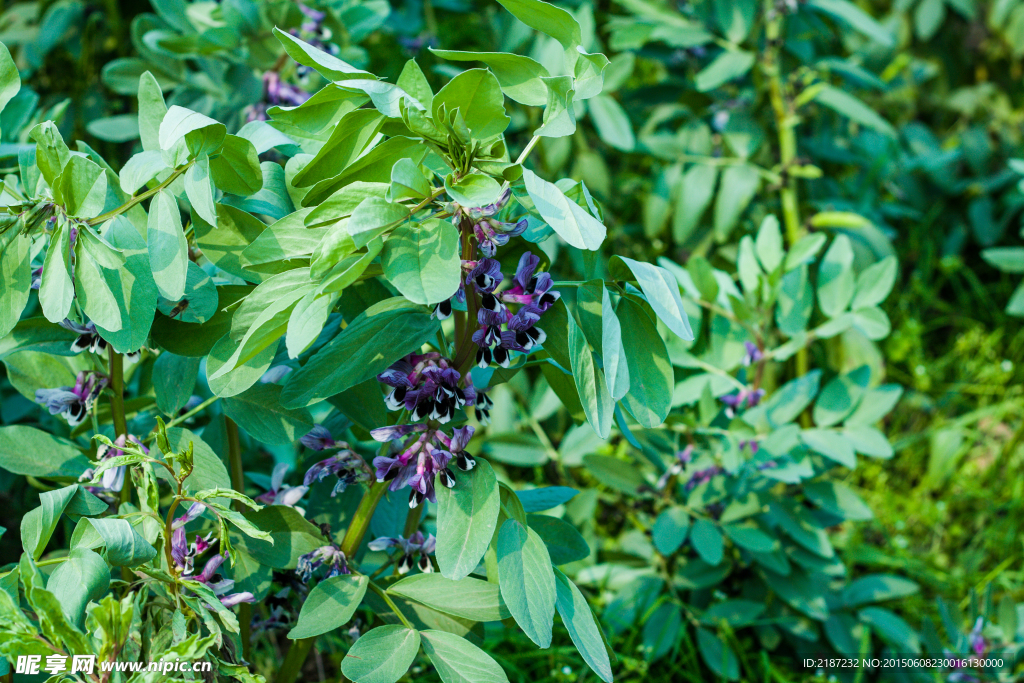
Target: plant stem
178 420
785 122
390 603
238 484
293 661
137 199
361 520
412 521
115 365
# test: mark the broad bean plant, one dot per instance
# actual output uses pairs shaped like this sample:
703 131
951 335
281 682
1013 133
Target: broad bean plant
352 272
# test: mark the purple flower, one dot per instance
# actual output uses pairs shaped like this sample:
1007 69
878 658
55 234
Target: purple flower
415 545
318 439
486 275
325 556
37 278
236 598
417 466
976 639
753 355
456 445
281 493
209 577
483 406
73 403
744 398
346 465
275 374
702 476
194 511
88 338
491 234
532 290
427 386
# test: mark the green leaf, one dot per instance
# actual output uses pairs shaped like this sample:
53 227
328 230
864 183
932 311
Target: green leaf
372 218
1006 259
407 182
292 536
16 274
473 189
615 473
660 288
563 541
199 190
140 169
590 382
422 261
38 524
168 248
738 187
330 605
10 79
33 452
235 169
651 379
92 288
467 516
696 191
382 655
174 378
572 222
208 469
855 18
527 580
601 326
875 282
559 114
612 123
670 529
259 412
830 444
459 661
477 95
851 107
717 654
307 321
518 76
582 626
327 65
56 292
179 122
81 187
786 404
750 537
538 500
468 598
728 66
838 499
878 588
375 339
151 112
223 245
707 541
83 577
125 546
353 133
836 284
548 19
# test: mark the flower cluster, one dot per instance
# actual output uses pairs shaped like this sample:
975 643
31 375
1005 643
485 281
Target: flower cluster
427 386
425 454
329 555
742 399
184 555
275 92
415 546
490 233
532 293
73 403
345 465
113 479
281 493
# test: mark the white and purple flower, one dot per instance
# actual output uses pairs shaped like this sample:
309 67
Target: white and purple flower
281 493
328 555
416 546
73 403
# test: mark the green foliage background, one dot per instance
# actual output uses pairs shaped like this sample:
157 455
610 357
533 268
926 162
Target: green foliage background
905 140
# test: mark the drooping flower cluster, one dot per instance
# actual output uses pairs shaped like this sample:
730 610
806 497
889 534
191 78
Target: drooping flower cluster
415 546
346 464
73 403
329 555
281 493
426 453
113 479
490 233
184 555
501 331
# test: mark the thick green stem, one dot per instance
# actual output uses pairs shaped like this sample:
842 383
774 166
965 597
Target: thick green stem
238 484
785 123
361 520
115 368
291 667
